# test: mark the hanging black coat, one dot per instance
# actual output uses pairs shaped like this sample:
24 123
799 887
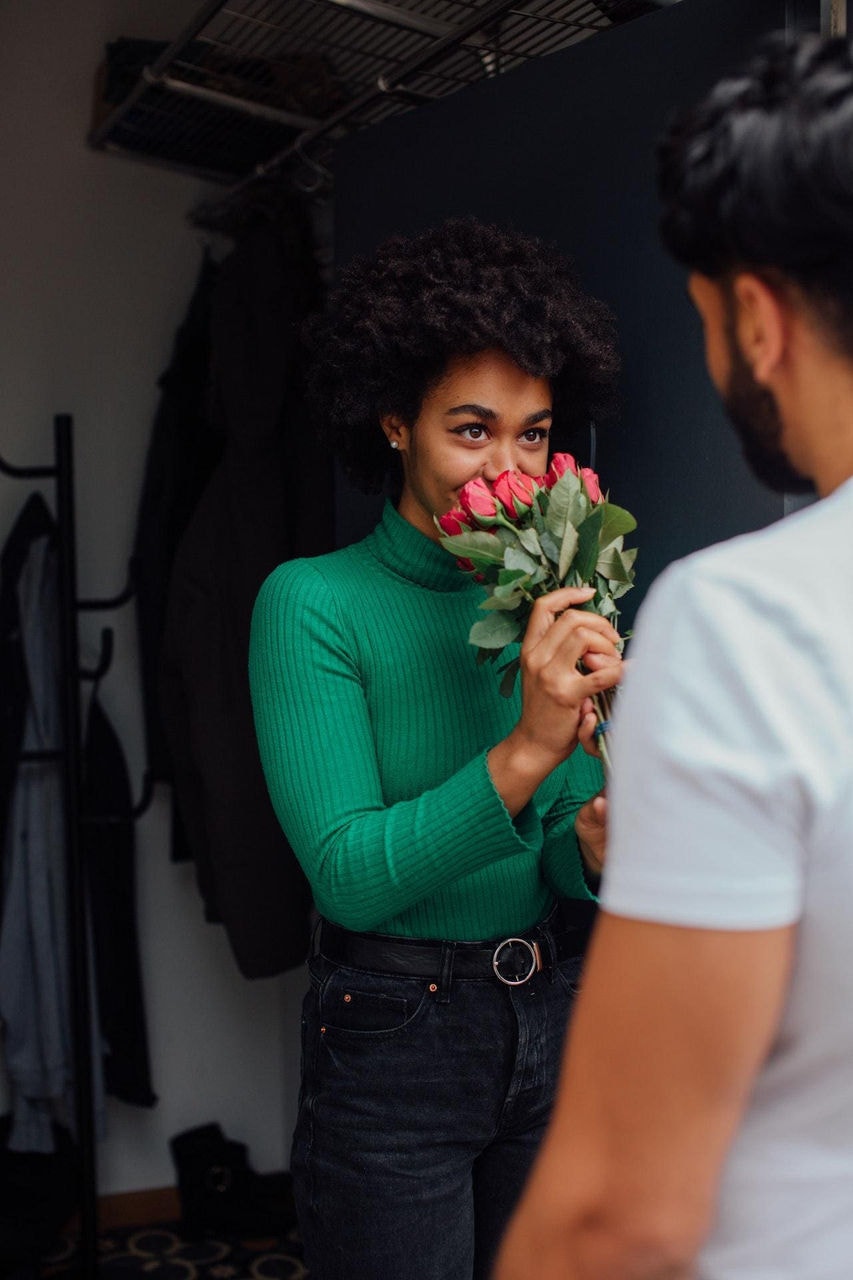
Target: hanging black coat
182 453
270 498
108 841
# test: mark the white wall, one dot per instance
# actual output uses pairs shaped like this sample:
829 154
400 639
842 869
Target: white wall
97 263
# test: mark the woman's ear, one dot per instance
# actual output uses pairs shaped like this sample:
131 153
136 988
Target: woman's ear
762 323
396 431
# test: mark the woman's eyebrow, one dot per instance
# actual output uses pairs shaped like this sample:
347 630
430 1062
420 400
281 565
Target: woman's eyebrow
538 417
478 410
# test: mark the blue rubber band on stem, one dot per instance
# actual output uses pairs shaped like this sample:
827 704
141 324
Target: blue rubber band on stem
601 728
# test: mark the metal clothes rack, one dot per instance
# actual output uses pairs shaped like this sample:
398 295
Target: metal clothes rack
69 755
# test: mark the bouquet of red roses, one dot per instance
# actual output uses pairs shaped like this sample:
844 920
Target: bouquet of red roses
523 536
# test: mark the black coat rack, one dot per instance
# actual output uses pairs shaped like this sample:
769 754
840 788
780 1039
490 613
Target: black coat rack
69 755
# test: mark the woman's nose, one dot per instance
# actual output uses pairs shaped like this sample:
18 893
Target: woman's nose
500 458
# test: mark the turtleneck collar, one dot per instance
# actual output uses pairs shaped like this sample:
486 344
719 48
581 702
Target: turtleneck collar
403 549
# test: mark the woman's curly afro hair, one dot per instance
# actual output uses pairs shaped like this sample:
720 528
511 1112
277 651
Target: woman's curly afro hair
395 320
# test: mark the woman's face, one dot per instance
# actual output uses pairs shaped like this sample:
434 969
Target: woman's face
485 416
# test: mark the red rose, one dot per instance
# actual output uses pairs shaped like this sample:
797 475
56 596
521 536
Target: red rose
515 492
453 522
560 464
591 484
476 500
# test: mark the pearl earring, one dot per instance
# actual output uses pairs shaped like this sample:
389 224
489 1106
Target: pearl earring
394 444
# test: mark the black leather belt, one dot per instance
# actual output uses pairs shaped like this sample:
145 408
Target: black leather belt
512 960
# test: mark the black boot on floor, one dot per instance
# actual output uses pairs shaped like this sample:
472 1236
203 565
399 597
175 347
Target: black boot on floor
221 1194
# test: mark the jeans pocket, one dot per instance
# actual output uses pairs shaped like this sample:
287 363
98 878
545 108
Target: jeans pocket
366 1004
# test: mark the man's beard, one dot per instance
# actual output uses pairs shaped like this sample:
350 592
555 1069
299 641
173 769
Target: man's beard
755 417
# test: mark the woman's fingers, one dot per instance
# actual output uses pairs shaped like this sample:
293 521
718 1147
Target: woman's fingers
553 619
562 647
587 726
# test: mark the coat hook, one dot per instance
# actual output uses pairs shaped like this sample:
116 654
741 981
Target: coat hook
104 660
114 602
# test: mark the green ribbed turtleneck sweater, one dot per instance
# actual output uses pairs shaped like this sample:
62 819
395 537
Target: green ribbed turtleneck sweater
374 720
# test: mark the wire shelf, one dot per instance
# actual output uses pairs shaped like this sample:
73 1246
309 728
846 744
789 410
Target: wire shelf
252 86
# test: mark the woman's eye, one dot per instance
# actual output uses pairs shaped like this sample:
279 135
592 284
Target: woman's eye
536 435
473 431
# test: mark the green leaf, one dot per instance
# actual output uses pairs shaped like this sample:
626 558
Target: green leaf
502 598
617 521
494 631
509 575
588 541
517 558
615 565
568 547
568 503
550 546
529 539
476 545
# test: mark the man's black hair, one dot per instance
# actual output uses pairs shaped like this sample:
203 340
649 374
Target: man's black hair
396 319
759 176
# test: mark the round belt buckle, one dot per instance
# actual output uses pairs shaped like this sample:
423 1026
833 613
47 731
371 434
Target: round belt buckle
535 962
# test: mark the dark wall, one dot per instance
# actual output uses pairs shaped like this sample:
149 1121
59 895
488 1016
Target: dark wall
564 148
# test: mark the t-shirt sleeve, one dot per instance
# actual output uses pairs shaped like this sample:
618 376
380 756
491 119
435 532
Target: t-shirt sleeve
366 860
712 746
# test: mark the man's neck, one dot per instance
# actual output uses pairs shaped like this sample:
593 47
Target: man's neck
819 418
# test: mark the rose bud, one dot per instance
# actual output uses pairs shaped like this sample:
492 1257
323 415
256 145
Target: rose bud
560 464
453 522
477 501
591 484
515 492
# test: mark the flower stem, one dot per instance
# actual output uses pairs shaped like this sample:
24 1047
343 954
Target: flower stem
601 704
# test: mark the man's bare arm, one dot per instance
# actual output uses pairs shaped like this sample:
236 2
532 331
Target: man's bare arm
670 1029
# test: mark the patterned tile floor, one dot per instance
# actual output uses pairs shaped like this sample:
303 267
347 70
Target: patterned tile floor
160 1252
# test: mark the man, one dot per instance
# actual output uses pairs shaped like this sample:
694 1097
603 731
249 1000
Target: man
704 1125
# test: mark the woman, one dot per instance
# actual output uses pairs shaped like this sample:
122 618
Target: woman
435 819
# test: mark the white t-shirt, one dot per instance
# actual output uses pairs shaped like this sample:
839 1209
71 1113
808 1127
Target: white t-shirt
731 807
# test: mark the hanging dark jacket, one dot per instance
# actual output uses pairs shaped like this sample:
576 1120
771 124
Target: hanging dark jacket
270 498
34 521
182 453
35 928
108 841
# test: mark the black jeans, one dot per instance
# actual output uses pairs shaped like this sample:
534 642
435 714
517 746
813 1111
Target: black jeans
419 1118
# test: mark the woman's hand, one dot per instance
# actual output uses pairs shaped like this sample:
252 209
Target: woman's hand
554 692
591 831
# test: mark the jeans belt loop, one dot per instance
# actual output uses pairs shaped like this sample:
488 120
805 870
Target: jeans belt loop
548 948
314 944
445 976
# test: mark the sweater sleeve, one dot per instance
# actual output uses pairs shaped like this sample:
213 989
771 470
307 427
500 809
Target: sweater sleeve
366 860
561 857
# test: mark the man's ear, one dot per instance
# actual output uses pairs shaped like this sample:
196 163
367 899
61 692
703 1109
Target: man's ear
761 323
